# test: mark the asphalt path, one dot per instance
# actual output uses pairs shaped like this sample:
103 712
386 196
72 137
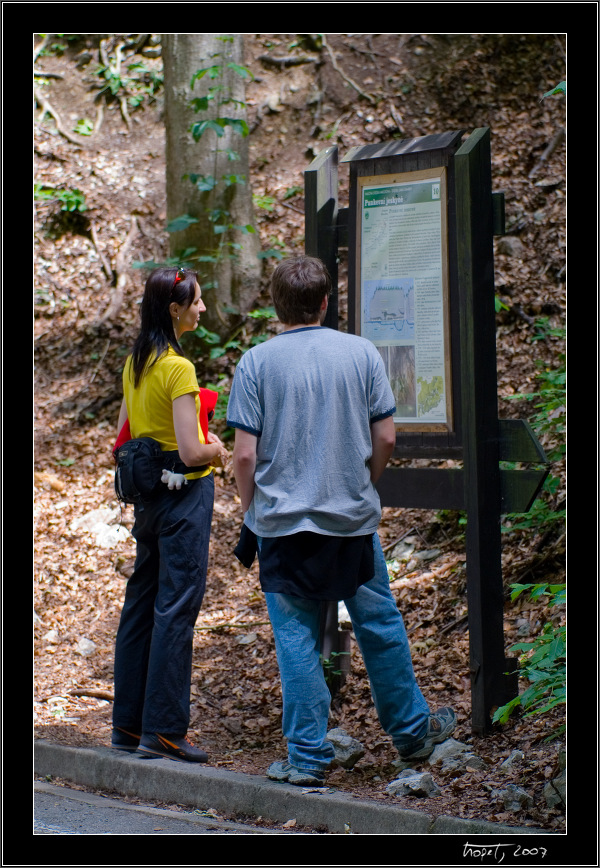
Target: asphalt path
62 811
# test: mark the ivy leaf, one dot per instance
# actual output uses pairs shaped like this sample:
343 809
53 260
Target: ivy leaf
200 128
213 72
237 124
204 183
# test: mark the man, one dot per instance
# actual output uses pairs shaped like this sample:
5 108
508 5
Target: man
313 413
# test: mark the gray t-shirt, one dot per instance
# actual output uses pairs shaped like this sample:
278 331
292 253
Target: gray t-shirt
310 396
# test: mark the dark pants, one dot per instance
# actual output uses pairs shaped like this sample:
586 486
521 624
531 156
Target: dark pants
153 652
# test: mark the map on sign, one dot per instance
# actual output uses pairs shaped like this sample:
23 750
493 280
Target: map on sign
430 393
389 309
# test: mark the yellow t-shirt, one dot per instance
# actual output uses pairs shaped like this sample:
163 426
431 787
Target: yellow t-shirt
150 405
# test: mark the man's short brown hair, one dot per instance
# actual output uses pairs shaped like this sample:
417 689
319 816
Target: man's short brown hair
298 287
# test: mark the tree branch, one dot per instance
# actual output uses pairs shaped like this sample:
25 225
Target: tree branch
97 694
557 139
105 265
285 61
343 74
120 270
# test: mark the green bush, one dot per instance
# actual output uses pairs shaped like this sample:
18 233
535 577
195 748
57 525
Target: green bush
542 661
548 420
70 199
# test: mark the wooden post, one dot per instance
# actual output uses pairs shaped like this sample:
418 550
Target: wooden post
320 217
320 240
490 685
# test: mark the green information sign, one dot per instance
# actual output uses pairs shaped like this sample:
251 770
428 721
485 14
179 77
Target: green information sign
403 291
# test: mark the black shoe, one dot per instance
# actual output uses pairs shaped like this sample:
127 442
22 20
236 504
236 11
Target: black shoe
122 739
173 747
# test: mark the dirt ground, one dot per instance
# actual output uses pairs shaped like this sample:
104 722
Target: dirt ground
354 89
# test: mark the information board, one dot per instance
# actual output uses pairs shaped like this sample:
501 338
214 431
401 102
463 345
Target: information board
402 291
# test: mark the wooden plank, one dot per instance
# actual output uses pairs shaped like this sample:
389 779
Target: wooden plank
444 488
519 443
519 488
422 488
403 147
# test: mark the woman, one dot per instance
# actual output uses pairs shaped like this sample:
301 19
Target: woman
153 652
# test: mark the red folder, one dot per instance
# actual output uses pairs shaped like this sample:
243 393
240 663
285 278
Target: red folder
208 402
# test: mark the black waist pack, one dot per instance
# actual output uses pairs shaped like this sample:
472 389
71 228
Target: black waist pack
139 466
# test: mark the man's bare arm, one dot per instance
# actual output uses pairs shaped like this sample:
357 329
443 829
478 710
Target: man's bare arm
383 436
244 465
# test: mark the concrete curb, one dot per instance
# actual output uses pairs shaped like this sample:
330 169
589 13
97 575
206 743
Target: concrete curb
248 796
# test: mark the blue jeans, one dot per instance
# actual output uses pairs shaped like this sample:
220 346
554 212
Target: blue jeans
381 636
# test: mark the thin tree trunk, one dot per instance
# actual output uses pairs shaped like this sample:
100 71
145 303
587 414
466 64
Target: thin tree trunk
233 282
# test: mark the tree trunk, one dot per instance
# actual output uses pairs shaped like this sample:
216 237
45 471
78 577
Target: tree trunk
230 274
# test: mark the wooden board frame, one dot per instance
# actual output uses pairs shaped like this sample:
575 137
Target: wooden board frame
407 178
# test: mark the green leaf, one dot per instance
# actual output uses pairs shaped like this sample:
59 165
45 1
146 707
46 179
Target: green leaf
178 224
522 646
241 70
150 264
266 202
201 103
560 88
182 256
239 125
502 714
200 128
230 180
209 337
40 191
212 71
517 590
204 183
71 200
262 313
272 253
84 127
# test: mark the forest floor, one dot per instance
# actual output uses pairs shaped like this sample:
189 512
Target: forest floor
355 89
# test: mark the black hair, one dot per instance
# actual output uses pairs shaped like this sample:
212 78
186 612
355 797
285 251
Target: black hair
164 286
